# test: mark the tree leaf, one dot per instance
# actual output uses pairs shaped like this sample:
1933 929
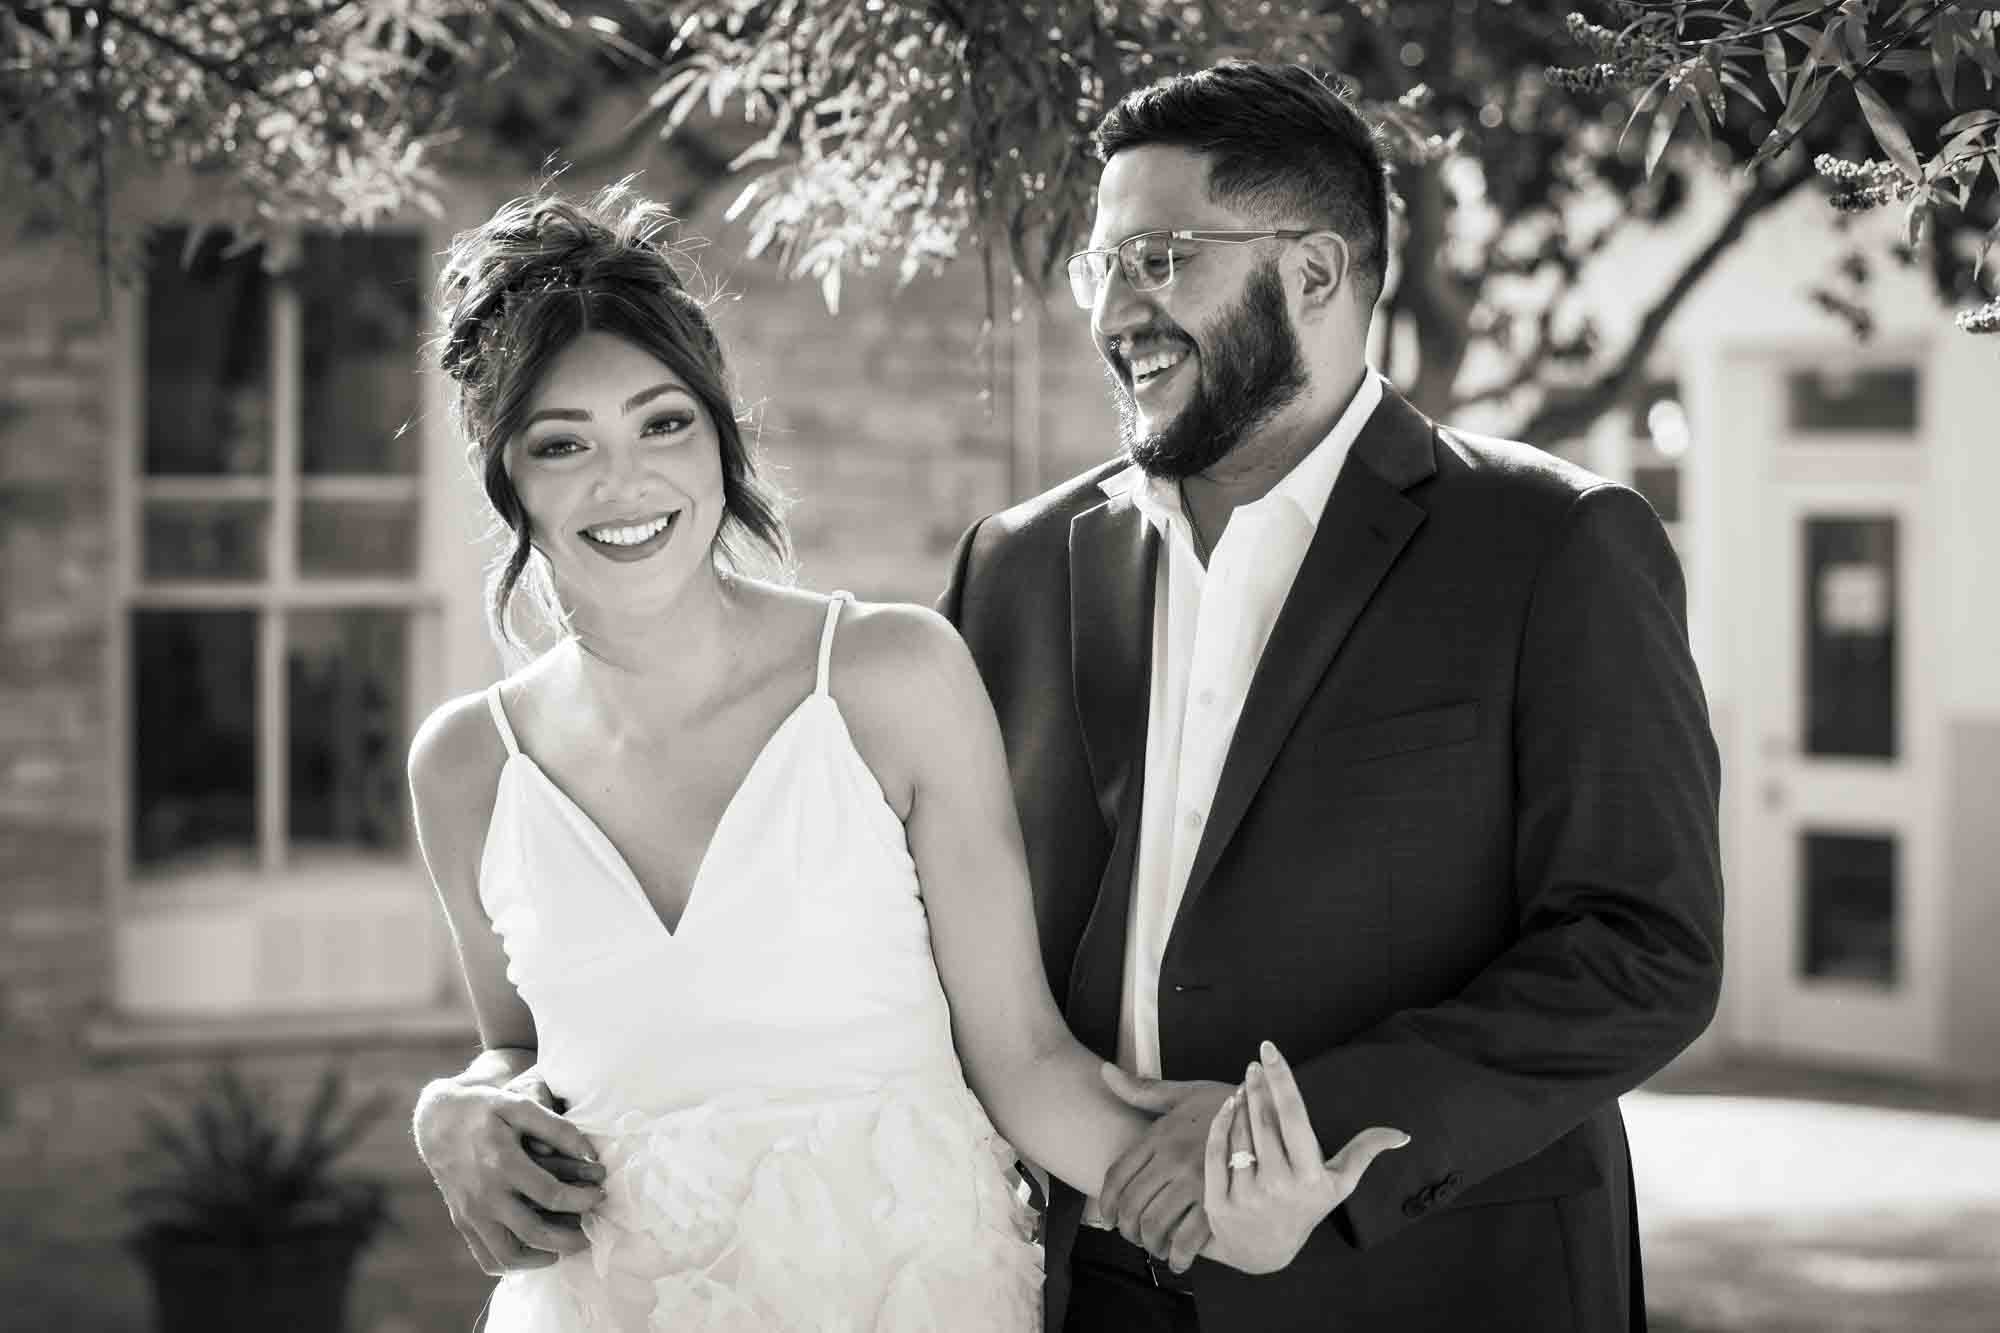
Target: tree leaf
1944 55
1645 103
1776 66
1889 131
1819 51
1986 246
1743 87
1663 125
1807 94
1706 95
1969 120
1857 39
1904 62
1958 143
1915 215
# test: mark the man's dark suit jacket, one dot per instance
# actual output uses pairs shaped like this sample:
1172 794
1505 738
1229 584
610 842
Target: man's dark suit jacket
1461 865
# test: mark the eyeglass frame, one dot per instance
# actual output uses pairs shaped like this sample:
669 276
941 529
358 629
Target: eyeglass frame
1199 235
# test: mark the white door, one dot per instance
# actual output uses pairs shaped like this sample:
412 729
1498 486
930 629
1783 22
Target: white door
1847 944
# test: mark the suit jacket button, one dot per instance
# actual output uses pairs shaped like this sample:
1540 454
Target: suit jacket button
1417 1205
1447 1186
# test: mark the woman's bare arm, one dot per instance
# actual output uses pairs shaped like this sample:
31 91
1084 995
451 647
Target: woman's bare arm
926 715
513 1210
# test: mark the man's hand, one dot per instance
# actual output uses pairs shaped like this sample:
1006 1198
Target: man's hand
515 1175
1153 1194
1264 1187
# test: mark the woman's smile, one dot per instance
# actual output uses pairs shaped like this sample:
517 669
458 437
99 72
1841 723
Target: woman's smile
626 540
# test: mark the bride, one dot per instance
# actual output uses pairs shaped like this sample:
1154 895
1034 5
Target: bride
735 868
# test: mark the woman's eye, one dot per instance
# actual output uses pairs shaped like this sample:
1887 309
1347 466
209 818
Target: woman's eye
559 447
669 424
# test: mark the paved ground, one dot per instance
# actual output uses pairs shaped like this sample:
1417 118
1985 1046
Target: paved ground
1783 1201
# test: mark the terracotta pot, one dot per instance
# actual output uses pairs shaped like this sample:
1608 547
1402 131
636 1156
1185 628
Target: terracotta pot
294 1283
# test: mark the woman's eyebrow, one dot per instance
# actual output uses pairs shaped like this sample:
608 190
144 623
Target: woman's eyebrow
637 400
645 396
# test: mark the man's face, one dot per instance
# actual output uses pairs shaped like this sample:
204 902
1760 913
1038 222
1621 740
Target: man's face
1196 367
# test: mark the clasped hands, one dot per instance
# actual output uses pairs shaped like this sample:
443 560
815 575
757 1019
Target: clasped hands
1233 1175
515 1175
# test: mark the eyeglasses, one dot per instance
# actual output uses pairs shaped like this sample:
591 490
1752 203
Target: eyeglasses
1147 260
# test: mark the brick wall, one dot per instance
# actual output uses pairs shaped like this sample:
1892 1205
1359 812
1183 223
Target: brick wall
894 426
53 585
896 423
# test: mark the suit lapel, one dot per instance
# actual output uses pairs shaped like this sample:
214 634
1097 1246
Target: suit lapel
1113 559
1368 521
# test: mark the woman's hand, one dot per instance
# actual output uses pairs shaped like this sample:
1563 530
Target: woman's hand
515 1175
1265 1187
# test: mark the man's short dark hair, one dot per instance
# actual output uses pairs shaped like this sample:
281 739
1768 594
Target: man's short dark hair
1282 142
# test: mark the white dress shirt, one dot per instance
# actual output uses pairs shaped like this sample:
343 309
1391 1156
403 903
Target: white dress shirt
1209 629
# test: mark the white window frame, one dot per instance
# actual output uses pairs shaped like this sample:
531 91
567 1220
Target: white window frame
338 939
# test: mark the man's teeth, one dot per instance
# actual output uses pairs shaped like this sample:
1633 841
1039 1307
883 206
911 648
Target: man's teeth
1146 367
629 536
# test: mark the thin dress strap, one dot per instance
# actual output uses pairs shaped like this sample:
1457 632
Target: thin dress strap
826 636
500 719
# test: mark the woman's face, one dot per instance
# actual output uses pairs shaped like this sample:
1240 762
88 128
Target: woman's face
620 471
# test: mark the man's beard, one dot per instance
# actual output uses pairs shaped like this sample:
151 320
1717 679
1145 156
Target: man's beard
1249 370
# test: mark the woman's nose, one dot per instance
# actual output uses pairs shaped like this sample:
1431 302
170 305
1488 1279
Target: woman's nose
621 475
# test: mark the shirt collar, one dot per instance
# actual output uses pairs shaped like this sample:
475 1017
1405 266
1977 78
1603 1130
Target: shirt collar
1307 486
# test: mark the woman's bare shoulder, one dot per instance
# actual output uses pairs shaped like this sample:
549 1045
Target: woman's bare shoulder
455 756
885 649
908 687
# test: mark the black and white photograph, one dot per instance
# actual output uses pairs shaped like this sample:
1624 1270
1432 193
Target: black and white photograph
944 666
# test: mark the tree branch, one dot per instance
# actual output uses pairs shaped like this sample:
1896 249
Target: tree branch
221 71
1528 369
1566 412
1439 306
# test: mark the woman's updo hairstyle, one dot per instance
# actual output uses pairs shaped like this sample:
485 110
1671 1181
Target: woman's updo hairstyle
517 290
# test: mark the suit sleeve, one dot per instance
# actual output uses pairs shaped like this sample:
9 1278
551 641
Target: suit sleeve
951 602
1617 961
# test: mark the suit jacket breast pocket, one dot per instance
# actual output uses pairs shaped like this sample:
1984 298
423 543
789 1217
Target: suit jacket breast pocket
1402 733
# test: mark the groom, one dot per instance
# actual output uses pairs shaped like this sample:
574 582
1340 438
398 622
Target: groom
1336 726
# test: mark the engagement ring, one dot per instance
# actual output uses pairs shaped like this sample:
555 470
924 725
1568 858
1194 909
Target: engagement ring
1241 1159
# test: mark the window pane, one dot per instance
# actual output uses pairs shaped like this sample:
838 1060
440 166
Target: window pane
344 671
1849 922
205 539
1882 399
357 537
1850 639
194 717
208 397
363 319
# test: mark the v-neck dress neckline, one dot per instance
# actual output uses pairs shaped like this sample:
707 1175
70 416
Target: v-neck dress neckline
592 832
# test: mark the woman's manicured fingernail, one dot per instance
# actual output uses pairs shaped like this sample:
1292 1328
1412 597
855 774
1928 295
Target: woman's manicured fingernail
1255 1074
1270 1053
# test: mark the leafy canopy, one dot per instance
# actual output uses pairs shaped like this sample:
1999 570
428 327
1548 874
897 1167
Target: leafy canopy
1692 60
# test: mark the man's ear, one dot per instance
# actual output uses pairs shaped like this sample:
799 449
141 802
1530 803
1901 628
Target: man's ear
1325 268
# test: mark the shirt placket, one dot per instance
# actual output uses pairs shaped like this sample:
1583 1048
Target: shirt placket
1215 689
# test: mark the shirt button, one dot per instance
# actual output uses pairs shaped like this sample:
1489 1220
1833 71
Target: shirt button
1194 819
1208 698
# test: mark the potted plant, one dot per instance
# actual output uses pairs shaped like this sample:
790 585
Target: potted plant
244 1226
